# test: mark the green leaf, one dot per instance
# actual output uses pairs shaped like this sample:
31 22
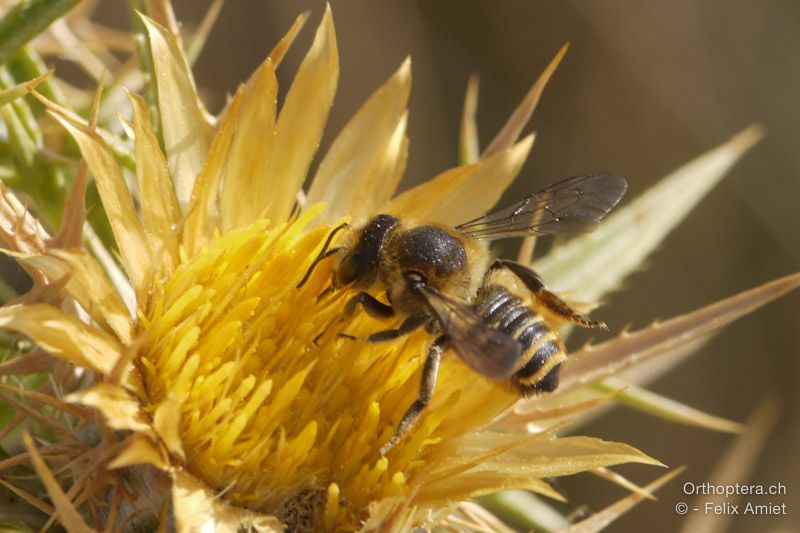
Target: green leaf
23 147
8 95
591 265
524 510
20 105
667 408
33 173
26 20
28 64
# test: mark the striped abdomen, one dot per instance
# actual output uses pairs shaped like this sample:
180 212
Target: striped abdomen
542 351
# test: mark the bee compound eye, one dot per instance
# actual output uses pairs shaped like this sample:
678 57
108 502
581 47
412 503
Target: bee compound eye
347 271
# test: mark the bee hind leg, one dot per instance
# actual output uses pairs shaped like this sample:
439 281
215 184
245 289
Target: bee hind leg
534 282
429 374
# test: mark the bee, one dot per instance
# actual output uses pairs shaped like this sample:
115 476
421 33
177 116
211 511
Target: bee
433 276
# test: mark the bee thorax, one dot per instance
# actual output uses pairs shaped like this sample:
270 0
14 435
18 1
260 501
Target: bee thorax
430 251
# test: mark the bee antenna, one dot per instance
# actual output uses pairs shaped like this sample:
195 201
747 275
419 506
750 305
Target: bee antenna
324 253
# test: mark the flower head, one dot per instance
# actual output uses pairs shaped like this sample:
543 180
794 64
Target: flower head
226 385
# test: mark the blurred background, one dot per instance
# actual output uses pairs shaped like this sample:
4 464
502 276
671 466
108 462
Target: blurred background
645 87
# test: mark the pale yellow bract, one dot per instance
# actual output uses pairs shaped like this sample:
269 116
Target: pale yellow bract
235 392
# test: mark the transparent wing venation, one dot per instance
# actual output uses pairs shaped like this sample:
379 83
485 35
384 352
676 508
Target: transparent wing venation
572 205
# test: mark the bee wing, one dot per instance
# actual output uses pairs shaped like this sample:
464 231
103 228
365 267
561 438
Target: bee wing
572 205
490 352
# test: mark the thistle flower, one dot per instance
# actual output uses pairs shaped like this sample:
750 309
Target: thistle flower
226 395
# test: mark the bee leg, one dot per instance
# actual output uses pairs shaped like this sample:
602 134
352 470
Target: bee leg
316 339
324 294
324 253
374 307
534 282
295 212
408 325
429 374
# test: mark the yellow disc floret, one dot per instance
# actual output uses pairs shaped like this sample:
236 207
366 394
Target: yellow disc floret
277 409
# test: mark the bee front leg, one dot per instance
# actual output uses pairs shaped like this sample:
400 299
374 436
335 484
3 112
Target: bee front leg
374 307
533 281
429 374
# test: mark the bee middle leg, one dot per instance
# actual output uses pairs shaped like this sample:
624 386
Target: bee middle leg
409 325
534 282
429 374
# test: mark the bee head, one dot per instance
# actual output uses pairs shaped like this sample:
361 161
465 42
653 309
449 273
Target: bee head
359 266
